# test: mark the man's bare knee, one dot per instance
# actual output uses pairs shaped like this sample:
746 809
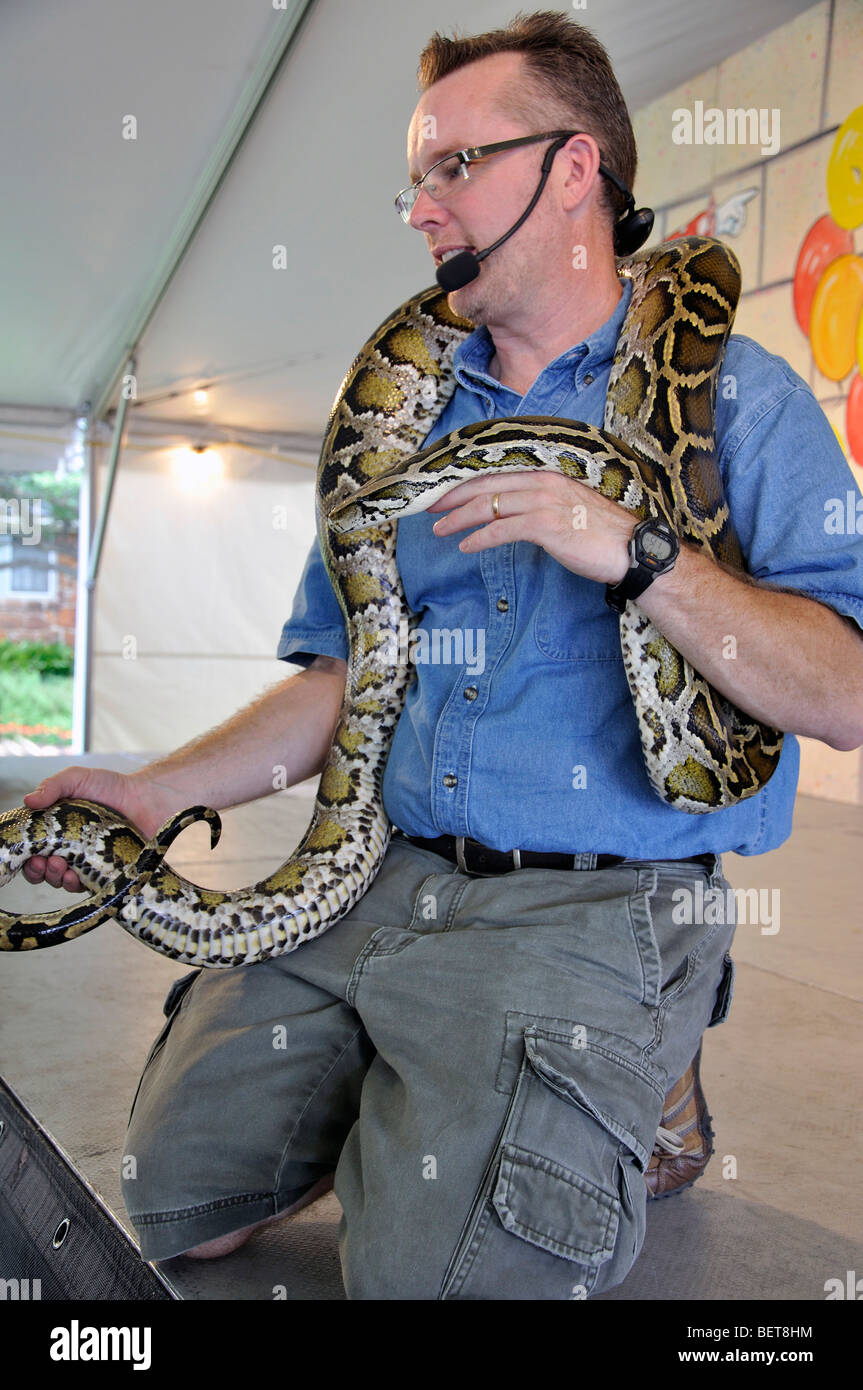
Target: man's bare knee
222 1245
227 1244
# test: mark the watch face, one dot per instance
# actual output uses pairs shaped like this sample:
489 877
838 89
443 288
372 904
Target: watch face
656 546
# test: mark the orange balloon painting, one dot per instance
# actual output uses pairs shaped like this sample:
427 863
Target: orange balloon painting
836 309
823 244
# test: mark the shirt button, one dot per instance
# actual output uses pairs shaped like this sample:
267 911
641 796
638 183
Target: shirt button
470 693
588 378
450 781
502 605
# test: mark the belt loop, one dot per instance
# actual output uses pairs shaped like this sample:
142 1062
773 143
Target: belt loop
459 853
584 861
516 858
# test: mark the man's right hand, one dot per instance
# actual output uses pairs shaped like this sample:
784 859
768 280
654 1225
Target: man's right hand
288 729
119 790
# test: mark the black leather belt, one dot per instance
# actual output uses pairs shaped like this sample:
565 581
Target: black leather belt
474 858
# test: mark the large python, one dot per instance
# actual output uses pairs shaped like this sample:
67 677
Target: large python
656 456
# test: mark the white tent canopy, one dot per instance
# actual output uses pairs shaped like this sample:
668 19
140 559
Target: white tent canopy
112 244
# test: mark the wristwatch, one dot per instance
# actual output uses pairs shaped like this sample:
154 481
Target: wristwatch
653 549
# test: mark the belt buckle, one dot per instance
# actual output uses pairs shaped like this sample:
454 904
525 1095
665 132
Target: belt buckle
477 873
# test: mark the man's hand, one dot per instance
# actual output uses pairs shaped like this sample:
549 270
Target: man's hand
118 790
278 740
578 527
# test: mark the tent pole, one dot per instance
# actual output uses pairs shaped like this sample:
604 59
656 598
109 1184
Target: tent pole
89 556
119 422
83 625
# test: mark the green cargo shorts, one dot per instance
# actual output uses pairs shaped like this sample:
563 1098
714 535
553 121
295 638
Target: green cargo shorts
481 1062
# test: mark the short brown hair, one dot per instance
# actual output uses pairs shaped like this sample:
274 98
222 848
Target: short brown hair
569 82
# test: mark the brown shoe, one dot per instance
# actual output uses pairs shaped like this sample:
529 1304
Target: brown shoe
684 1140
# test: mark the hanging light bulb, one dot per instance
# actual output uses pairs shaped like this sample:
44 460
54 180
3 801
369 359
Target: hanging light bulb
197 468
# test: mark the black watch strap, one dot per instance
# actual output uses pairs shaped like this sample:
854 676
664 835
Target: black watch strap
631 586
646 564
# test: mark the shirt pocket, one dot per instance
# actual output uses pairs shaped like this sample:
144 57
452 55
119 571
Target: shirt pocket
572 621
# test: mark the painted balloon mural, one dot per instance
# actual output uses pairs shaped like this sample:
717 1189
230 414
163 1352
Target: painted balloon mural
828 278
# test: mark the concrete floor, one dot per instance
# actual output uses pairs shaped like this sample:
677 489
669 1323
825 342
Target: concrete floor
780 1208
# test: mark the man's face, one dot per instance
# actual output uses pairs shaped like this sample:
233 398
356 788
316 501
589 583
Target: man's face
456 112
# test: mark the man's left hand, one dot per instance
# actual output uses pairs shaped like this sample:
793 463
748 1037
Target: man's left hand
577 526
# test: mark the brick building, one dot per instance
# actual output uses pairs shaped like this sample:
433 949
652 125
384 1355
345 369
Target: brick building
37 593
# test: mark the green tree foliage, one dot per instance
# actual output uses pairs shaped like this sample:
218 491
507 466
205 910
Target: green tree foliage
42 658
59 499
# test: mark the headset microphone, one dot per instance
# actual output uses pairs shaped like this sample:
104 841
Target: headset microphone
630 232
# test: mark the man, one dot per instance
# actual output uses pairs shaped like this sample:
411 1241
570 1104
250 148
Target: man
480 1058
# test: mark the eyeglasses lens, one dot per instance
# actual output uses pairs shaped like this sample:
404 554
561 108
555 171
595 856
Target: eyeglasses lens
437 182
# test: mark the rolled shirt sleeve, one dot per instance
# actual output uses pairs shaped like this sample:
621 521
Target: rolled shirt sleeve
316 626
792 494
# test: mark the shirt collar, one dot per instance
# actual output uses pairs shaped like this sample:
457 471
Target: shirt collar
472 357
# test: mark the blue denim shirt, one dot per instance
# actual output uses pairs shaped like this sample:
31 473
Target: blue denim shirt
546 754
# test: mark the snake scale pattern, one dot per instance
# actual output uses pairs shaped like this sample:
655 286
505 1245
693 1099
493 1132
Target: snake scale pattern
655 456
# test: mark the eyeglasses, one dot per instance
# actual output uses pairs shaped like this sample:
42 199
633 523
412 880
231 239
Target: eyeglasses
448 173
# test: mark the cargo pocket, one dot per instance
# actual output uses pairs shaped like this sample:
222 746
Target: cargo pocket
171 1007
561 1207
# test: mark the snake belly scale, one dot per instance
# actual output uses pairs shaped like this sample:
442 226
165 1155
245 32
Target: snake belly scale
655 456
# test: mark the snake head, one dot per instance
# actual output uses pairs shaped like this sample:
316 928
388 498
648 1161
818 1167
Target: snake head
409 485
379 501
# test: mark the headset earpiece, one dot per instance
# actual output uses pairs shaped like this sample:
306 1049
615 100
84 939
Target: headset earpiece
632 231
634 227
